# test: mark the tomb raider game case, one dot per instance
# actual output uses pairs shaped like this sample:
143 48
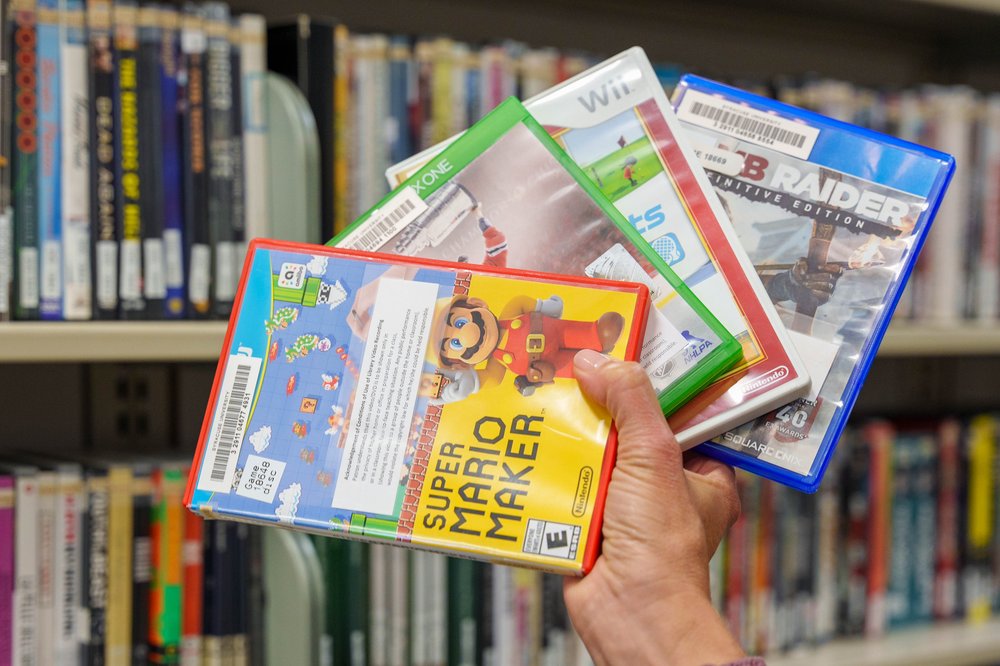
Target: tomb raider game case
833 217
505 194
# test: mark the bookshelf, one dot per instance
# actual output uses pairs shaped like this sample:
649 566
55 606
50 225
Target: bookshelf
194 341
940 645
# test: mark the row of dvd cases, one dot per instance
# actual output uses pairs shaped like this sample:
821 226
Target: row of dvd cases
904 535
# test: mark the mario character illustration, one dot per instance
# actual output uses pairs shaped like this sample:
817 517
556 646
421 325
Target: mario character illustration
628 171
282 319
528 338
330 381
300 429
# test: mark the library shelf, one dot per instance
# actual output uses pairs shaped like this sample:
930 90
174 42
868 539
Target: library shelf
190 341
952 644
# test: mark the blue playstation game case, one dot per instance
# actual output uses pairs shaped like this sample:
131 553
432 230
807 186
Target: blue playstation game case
833 217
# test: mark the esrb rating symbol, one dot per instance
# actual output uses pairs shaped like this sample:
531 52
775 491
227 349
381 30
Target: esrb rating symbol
544 537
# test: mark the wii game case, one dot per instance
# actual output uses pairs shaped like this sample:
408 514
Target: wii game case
616 123
505 194
833 217
387 399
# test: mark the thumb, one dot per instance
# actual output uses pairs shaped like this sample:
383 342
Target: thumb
624 389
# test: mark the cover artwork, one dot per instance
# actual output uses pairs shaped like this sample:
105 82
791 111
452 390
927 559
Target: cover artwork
615 122
833 217
506 195
418 402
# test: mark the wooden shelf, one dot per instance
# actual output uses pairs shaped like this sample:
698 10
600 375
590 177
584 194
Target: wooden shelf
72 342
65 342
943 645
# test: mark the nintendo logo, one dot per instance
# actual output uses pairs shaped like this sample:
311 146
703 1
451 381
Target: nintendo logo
775 375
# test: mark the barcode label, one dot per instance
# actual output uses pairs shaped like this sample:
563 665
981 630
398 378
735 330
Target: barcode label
154 282
173 252
748 124
130 287
200 274
28 277
229 424
107 274
386 222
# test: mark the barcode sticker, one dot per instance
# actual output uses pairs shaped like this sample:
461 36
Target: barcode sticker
6 261
154 282
386 222
107 274
748 124
200 274
27 275
225 271
232 411
130 287
51 269
173 251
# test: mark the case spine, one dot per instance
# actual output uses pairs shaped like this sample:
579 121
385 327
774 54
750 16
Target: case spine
238 220
253 68
96 567
6 131
118 627
48 575
69 581
219 144
172 188
167 534
151 196
104 183
26 570
129 157
50 138
192 557
77 285
142 565
197 240
24 158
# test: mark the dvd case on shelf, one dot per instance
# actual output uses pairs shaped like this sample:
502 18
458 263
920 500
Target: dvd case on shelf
616 123
358 393
833 217
505 194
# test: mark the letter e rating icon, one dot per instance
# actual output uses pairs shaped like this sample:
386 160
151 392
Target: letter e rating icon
544 537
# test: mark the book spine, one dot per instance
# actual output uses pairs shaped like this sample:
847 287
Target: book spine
504 629
880 437
7 540
400 65
902 538
151 196
104 183
554 622
26 570
255 597
192 592
77 285
946 533
170 147
253 70
341 127
47 563
378 605
69 570
235 37
96 533
142 565
167 535
357 602
219 136
484 615
216 556
118 627
197 240
924 529
24 159
461 612
399 607
236 600
987 286
49 173
978 584
129 171
6 132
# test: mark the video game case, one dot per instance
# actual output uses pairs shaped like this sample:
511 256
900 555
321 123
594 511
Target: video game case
45 480
26 569
94 604
7 575
68 593
167 566
461 206
253 69
311 51
150 127
239 579
104 183
977 588
24 158
50 147
214 557
833 217
309 466
129 171
220 165
142 562
192 593
235 38
197 238
175 305
462 600
77 280
378 604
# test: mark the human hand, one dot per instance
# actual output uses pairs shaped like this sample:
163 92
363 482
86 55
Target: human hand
647 598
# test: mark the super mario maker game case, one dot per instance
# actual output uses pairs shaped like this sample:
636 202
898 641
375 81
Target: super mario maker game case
506 194
417 402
